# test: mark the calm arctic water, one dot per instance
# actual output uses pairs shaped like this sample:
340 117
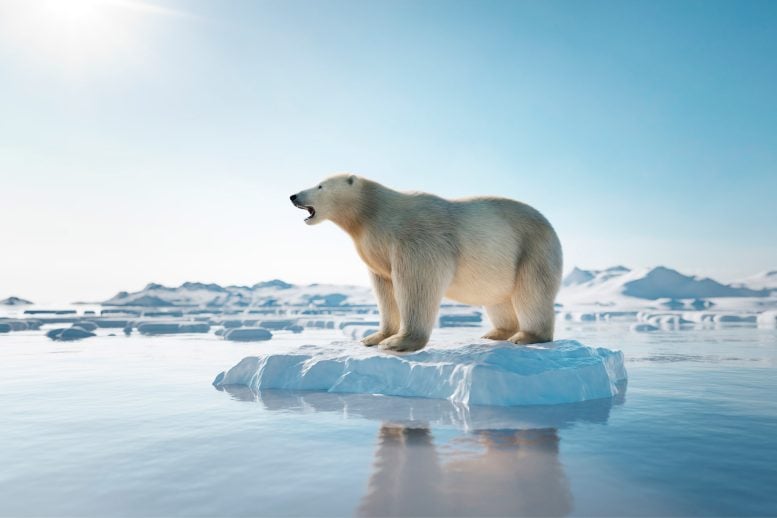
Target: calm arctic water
132 427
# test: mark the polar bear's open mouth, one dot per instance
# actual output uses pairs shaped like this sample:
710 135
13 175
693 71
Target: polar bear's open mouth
308 208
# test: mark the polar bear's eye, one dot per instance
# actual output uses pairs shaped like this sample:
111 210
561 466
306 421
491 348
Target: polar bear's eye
320 186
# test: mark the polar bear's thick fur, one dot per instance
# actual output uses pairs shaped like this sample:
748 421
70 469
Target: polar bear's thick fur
419 248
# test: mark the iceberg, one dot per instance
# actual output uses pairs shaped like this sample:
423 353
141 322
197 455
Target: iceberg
480 373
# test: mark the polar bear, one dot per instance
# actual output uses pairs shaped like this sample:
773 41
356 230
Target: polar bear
419 248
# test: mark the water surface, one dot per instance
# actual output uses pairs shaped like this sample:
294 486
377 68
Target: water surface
132 427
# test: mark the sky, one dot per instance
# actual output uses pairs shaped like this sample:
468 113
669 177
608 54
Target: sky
159 141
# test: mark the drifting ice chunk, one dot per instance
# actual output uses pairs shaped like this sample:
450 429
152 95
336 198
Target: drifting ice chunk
360 322
767 319
85 325
668 321
730 318
69 335
664 320
461 319
247 334
277 325
642 327
579 317
479 374
18 325
167 328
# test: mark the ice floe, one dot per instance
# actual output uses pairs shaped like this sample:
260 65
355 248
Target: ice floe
167 328
247 334
767 319
86 325
17 324
69 334
642 327
481 373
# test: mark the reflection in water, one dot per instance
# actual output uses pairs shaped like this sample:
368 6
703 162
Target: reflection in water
505 463
515 472
414 412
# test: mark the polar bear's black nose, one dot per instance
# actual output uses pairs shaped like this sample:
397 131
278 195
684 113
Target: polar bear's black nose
293 197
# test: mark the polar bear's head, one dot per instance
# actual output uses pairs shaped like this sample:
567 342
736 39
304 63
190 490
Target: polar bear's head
330 199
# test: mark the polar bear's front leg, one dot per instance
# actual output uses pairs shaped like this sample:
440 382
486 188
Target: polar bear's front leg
419 290
389 311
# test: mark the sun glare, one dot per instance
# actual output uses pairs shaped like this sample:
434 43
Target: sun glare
76 34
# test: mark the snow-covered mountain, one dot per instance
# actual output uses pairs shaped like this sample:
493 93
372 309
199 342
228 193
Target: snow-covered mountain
620 286
760 281
617 286
578 276
263 294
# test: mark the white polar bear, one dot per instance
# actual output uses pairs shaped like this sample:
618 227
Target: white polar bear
419 248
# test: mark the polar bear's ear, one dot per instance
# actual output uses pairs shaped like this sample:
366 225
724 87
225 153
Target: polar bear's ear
351 179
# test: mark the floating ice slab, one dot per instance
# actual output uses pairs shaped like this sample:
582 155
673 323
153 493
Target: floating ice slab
482 373
767 319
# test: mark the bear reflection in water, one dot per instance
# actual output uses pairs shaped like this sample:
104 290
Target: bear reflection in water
487 473
504 462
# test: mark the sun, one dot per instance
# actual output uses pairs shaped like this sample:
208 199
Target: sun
72 14
77 34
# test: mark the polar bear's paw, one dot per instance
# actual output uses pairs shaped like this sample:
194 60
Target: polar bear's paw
499 334
524 338
375 338
403 343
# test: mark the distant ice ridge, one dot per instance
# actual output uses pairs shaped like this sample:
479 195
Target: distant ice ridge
761 281
614 289
482 373
620 287
15 301
264 294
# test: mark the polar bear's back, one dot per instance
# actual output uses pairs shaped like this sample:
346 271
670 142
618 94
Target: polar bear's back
495 237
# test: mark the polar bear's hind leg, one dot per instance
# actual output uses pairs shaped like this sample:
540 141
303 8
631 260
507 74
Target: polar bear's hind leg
537 282
504 321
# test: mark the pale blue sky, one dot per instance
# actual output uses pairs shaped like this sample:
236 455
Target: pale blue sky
159 141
